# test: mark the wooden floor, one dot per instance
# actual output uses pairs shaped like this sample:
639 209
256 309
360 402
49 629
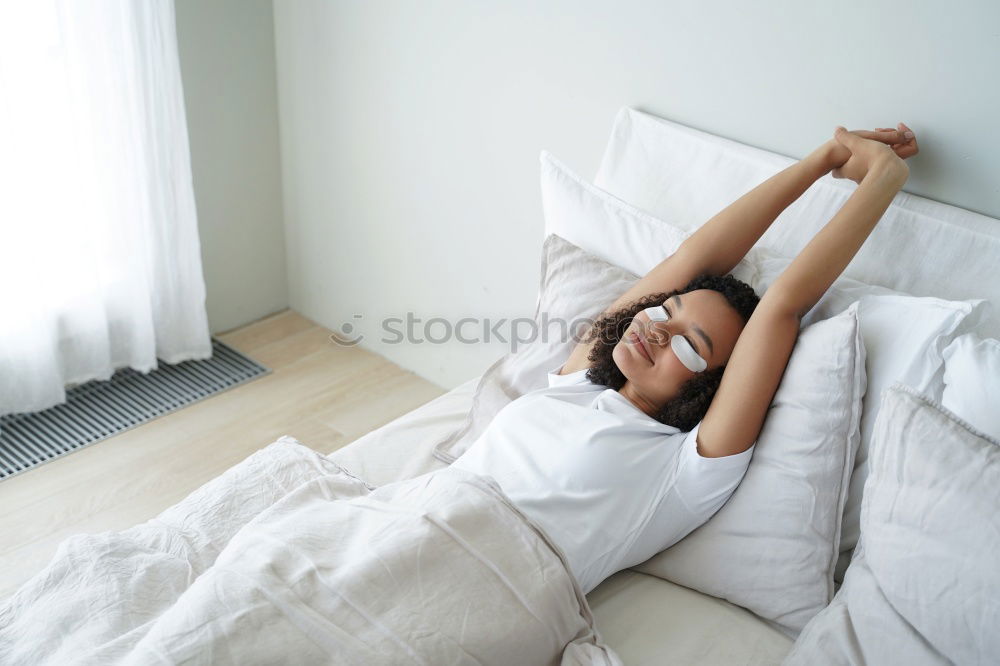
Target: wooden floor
323 394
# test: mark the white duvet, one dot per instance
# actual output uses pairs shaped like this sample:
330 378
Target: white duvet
287 558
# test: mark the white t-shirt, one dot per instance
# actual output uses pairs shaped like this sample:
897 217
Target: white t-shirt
610 485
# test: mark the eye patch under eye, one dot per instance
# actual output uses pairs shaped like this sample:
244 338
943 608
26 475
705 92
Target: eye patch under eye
679 344
686 354
657 313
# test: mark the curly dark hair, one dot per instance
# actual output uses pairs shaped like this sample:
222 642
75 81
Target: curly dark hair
689 406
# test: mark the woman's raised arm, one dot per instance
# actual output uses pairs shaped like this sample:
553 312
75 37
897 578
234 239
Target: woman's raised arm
880 174
735 417
719 244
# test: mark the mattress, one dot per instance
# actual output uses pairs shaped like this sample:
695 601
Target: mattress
645 619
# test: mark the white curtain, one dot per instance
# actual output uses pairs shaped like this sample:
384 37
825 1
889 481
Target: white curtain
100 264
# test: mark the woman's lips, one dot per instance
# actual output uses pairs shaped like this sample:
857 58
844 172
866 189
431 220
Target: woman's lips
641 344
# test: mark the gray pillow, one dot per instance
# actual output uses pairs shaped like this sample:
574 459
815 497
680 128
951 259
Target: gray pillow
923 586
773 546
576 287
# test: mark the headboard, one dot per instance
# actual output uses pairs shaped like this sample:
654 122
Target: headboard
921 247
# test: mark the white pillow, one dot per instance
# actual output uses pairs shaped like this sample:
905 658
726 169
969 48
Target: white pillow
904 336
772 547
924 587
607 227
972 381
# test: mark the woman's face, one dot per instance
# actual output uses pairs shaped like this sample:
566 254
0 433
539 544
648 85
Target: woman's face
653 371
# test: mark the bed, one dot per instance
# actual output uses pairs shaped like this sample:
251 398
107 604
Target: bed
914 317
655 168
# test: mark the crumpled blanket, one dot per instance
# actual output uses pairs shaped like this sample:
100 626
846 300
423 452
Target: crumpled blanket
288 558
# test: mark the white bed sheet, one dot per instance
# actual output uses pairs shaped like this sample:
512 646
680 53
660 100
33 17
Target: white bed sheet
645 619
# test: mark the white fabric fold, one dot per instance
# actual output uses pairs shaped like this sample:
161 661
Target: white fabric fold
287 558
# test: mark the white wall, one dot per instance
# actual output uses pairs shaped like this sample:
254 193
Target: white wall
227 66
411 130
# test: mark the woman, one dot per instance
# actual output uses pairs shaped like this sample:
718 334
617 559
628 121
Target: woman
648 427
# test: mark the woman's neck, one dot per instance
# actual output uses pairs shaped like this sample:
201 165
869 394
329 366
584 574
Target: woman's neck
637 399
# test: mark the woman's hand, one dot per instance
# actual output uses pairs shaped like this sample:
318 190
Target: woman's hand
866 149
834 154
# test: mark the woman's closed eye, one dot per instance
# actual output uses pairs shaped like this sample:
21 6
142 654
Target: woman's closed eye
690 342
